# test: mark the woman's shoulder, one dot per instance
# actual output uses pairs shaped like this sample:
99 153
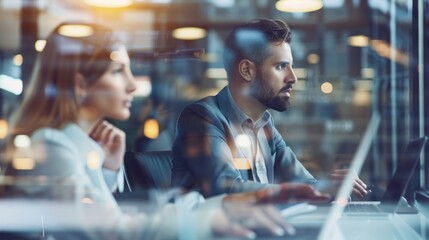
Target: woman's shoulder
49 134
52 137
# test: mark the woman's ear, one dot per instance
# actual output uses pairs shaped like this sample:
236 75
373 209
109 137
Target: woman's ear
247 70
80 87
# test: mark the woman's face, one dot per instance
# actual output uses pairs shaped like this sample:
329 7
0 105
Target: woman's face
111 95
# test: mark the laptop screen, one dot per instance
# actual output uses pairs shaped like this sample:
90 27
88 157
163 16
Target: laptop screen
396 187
407 164
328 228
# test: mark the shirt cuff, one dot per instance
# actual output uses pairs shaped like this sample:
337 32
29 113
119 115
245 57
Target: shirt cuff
114 179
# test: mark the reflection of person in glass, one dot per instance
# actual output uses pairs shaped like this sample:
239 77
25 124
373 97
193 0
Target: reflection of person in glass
228 143
78 82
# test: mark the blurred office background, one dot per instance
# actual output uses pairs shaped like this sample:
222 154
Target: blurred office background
353 58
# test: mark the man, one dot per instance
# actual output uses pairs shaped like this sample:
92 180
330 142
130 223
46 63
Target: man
228 143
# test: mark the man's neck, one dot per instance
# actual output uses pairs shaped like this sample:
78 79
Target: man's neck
248 104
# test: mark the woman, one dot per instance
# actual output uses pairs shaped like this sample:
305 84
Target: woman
77 82
77 156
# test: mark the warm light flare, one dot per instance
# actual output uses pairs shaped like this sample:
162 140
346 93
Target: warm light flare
18 60
243 141
40 45
144 86
4 128
151 128
326 87
23 163
342 201
361 98
93 160
216 73
241 163
22 141
87 200
313 58
115 55
385 50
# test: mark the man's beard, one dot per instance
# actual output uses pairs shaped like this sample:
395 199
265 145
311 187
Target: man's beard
261 90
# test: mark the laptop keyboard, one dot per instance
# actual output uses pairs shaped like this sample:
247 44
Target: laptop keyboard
363 208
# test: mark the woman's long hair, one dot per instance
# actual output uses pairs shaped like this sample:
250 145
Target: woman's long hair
50 99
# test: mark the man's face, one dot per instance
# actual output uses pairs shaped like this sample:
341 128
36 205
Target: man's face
275 77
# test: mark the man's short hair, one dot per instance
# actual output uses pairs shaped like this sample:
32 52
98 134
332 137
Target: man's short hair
250 41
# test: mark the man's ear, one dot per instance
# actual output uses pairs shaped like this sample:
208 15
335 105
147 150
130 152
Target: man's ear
247 70
80 87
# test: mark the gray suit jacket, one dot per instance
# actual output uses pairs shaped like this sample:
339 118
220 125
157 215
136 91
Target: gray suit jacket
204 149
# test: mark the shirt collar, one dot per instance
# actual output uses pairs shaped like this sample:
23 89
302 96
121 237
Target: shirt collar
235 114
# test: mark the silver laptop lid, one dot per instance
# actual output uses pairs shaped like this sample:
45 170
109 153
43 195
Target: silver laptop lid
342 198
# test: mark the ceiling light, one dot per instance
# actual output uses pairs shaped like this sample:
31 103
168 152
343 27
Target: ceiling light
358 41
109 3
299 5
76 30
189 33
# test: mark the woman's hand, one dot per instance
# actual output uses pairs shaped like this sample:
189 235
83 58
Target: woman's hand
112 140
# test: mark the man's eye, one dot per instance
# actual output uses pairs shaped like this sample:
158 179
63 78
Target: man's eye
281 66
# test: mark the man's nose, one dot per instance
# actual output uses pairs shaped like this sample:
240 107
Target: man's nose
291 77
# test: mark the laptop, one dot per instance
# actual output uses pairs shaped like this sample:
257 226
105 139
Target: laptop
397 185
344 225
328 222
321 221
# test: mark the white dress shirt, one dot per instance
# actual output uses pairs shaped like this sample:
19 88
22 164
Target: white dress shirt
69 169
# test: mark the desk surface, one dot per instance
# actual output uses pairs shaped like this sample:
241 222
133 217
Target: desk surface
390 226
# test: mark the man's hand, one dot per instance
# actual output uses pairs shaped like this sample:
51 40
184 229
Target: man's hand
112 140
245 212
359 188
